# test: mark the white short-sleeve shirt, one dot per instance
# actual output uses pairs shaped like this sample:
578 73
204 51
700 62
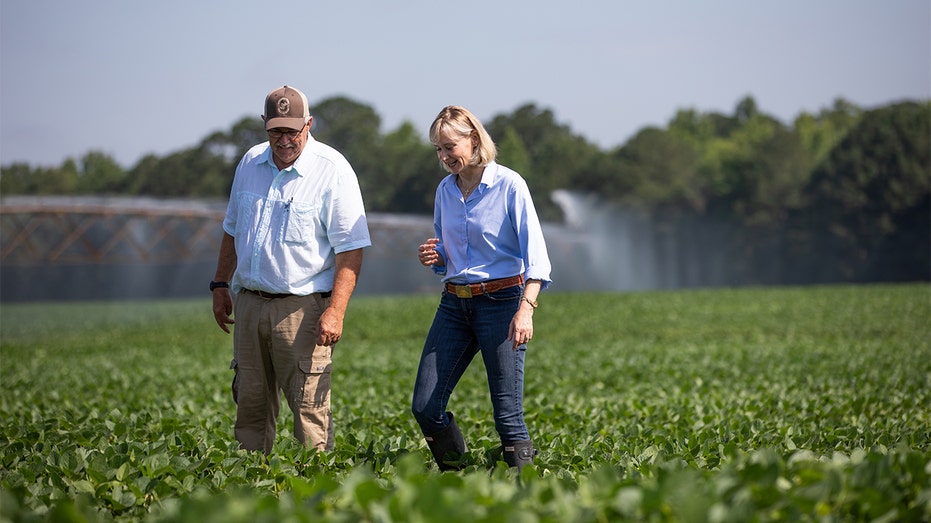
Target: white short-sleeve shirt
289 224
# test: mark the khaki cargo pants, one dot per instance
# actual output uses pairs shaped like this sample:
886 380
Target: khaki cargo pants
274 349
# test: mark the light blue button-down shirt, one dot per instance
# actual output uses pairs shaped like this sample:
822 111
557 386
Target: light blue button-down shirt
289 224
494 234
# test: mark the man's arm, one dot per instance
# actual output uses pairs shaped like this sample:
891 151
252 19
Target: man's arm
348 266
222 299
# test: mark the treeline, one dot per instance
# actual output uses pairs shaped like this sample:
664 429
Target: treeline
852 182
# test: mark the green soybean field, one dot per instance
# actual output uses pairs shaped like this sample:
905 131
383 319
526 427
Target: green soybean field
706 405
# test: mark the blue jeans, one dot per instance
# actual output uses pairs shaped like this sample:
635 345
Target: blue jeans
461 328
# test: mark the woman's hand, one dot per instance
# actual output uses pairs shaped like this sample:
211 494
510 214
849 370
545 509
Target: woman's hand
427 254
521 328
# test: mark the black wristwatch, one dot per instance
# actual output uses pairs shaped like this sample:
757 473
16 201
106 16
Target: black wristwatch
219 285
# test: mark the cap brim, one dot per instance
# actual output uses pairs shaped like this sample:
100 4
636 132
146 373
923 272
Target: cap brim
291 123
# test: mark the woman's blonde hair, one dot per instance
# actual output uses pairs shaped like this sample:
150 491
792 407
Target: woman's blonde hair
459 121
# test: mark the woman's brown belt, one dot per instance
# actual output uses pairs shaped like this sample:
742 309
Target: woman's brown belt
477 289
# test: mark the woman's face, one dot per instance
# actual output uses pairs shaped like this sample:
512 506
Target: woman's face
454 150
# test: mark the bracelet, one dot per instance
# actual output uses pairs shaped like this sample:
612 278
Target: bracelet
533 304
219 285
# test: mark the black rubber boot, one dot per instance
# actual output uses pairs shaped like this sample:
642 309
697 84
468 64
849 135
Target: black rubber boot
447 445
518 453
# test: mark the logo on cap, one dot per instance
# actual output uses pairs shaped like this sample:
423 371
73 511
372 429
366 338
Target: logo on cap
284 106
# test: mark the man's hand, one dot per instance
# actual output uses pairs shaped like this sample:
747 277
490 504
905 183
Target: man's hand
222 308
329 327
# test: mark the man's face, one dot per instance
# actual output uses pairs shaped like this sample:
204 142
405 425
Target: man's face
287 144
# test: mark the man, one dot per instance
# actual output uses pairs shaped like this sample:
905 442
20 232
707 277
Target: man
291 254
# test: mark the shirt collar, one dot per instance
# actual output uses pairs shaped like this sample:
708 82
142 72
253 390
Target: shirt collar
303 162
490 174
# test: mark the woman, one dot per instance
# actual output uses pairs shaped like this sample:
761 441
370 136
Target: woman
490 252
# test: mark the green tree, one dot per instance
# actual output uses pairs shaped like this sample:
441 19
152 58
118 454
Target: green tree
100 174
558 159
773 169
871 197
513 153
61 180
662 169
194 172
344 123
17 178
243 135
709 136
407 177
820 133
693 126
746 109
20 178
753 168
351 128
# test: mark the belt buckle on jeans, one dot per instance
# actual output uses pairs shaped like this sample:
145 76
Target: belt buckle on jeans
464 291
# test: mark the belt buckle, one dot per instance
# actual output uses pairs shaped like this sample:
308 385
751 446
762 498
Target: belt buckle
464 291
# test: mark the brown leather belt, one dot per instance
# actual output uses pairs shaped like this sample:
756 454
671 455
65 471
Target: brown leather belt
477 289
272 295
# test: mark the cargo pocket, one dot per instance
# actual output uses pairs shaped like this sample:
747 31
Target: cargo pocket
234 387
315 392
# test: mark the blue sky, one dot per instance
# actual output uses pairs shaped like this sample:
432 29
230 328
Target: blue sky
129 78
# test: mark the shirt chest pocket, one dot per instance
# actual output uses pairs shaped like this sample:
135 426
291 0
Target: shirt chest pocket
300 223
246 212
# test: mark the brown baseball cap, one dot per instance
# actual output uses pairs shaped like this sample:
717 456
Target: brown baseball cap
286 107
